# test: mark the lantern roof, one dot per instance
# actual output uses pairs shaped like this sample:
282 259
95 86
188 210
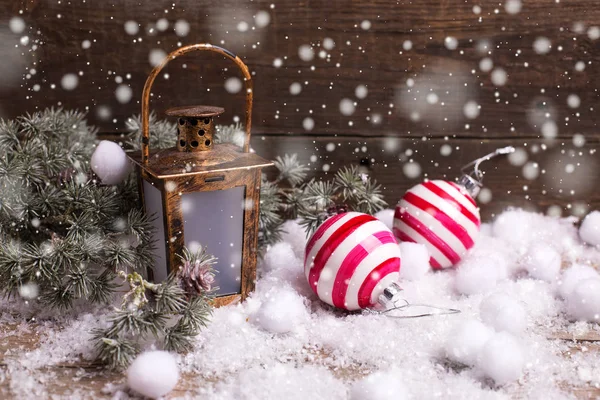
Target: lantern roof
171 163
195 111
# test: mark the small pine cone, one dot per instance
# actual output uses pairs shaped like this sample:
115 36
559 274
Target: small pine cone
337 209
196 278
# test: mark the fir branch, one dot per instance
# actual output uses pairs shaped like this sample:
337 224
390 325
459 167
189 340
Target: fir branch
290 169
117 354
233 134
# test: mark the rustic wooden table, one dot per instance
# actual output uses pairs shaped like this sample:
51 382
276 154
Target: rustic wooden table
86 380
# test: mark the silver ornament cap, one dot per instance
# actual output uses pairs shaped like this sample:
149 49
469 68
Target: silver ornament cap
390 296
471 185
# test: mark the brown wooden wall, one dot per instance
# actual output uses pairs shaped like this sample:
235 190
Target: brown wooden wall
414 109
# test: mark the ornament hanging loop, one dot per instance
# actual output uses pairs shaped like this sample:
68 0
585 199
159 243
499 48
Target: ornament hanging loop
472 179
395 306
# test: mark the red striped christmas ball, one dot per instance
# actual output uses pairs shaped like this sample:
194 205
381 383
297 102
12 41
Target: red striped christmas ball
442 216
350 259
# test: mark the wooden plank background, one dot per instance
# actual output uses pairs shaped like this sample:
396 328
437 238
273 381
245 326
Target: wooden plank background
390 127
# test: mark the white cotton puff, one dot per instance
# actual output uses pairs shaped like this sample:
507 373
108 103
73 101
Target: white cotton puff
110 163
379 386
501 358
503 313
279 256
572 276
282 311
466 340
415 261
153 374
295 235
513 226
583 303
387 217
542 261
589 231
479 275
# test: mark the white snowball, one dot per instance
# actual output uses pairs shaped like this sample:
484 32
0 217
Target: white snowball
262 19
361 91
471 109
328 43
583 303
486 64
415 261
594 32
233 85
466 340
589 231
162 24
387 217
479 275
153 374
295 88
379 386
282 311
572 276
499 77
306 52
69 81
549 130
182 27
503 313
513 6
412 170
123 93
110 163
308 123
294 234
451 42
156 56
501 358
407 45
279 256
347 107
131 27
542 45
542 261
16 25
573 101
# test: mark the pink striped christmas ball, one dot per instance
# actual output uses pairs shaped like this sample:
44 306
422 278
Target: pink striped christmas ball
442 216
350 259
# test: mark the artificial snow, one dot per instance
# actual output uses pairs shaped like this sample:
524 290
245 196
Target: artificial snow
379 386
589 231
542 262
387 217
501 358
110 163
153 374
283 342
415 261
465 341
282 311
583 303
503 313
572 276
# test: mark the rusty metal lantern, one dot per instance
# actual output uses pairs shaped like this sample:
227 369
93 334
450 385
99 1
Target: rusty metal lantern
201 192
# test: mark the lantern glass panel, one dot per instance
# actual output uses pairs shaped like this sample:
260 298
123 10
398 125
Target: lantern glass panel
216 220
154 208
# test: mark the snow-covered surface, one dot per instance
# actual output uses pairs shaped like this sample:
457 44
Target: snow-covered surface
329 354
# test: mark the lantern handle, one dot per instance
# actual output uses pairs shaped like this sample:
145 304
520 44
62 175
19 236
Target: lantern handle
180 51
